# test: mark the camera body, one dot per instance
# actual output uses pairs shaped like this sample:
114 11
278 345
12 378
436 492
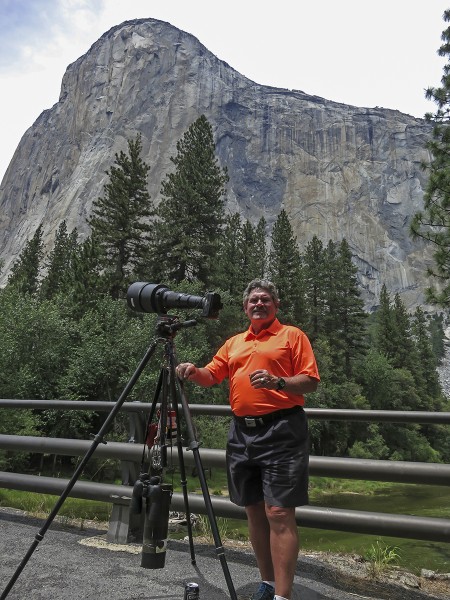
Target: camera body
157 497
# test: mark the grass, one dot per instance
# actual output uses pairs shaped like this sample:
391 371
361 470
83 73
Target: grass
381 557
40 505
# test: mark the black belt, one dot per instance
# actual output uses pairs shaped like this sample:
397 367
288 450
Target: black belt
267 418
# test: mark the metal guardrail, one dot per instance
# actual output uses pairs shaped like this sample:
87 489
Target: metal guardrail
217 410
371 523
406 526
324 466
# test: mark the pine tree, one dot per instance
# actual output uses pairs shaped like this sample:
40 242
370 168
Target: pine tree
427 363
405 355
87 283
314 289
120 218
285 269
191 212
385 336
345 321
433 223
26 270
260 249
255 251
59 263
231 256
353 317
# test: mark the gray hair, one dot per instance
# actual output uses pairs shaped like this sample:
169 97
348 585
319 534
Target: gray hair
265 284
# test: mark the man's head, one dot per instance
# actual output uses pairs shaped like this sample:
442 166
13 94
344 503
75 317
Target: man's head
260 303
263 284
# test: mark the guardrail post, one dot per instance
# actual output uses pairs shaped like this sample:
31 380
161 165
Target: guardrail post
125 526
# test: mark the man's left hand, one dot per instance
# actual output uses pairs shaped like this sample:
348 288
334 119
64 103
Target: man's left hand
263 379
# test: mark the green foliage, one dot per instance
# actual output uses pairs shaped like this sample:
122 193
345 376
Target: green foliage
35 346
241 255
212 432
373 447
24 275
119 219
433 223
285 270
59 263
191 212
381 556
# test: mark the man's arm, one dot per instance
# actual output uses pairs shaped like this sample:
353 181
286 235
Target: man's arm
301 384
189 372
297 384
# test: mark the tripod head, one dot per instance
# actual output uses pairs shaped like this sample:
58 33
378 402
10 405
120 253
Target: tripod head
168 325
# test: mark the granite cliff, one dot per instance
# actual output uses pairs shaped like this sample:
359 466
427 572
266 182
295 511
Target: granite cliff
338 170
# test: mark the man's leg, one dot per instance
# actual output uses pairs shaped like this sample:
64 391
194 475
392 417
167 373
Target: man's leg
284 546
259 533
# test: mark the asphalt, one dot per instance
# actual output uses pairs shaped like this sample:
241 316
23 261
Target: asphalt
70 563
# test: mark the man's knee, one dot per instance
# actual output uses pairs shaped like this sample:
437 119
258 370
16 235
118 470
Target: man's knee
280 514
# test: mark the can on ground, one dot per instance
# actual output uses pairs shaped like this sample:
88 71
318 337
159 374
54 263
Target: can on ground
191 591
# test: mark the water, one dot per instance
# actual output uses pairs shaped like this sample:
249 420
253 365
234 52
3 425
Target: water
413 555
429 501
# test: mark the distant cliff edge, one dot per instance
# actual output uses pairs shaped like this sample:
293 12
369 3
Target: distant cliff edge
339 171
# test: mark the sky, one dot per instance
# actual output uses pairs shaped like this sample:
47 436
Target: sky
356 52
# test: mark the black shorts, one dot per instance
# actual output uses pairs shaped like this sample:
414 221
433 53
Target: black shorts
269 462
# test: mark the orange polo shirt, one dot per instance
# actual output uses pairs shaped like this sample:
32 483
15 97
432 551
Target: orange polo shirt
283 350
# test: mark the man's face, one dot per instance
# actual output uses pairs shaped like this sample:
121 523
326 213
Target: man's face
260 308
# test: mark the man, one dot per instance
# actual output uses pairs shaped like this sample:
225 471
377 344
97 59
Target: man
270 367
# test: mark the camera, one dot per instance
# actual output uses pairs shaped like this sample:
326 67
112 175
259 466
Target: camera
157 298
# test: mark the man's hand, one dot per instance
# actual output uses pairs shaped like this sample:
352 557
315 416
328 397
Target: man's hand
186 371
263 379
189 372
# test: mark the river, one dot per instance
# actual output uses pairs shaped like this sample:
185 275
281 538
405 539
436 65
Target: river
420 500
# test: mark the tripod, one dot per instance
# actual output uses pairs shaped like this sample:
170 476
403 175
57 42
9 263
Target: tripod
166 328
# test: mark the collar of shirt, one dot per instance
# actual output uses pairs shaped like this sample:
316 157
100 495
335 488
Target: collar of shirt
273 329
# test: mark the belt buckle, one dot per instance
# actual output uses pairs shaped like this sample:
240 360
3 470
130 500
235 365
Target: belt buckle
250 421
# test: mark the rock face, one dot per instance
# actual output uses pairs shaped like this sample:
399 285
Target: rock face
339 171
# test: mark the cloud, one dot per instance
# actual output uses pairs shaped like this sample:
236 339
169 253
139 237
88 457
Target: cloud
35 31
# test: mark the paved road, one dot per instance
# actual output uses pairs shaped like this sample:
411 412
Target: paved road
70 564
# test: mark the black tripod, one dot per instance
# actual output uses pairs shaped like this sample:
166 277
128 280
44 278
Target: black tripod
166 329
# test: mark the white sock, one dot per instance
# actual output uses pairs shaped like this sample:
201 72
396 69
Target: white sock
276 597
272 583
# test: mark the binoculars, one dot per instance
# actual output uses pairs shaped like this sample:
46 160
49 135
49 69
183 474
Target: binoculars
157 496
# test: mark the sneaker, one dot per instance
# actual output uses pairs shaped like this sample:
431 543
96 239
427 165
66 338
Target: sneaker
265 592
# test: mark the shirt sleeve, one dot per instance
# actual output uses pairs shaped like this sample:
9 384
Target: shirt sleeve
304 361
218 367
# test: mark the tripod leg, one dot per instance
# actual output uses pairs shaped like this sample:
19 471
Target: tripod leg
97 440
183 479
194 446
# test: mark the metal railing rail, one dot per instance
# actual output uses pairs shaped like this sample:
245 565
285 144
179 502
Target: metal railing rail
405 526
323 414
324 466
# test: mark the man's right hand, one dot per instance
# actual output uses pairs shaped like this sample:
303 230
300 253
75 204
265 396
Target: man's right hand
186 371
189 372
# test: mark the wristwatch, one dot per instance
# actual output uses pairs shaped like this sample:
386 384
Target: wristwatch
281 383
